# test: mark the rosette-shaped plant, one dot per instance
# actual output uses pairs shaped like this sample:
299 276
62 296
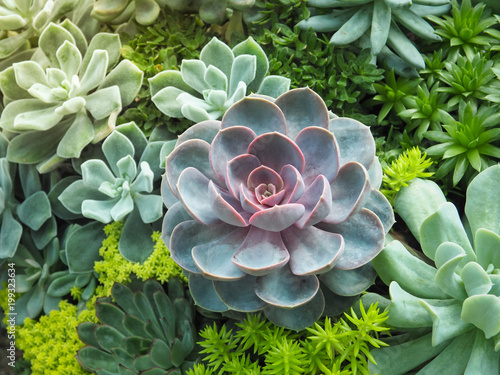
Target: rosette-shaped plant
54 112
204 89
121 187
452 308
145 332
145 12
24 19
271 200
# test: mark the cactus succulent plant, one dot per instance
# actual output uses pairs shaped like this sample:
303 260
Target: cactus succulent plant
204 89
273 196
117 189
145 332
453 308
374 24
53 113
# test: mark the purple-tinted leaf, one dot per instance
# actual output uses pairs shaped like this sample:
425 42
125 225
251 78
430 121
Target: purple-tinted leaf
238 171
335 304
189 234
226 207
349 190
284 289
257 114
349 282
175 215
228 144
380 206
299 317
169 199
363 234
317 200
192 153
312 250
264 175
302 108
355 141
205 131
293 182
266 195
375 173
248 201
277 218
240 295
203 292
214 258
320 153
261 252
275 150
193 193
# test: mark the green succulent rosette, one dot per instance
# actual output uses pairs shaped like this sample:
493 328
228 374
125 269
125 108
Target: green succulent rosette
451 309
67 97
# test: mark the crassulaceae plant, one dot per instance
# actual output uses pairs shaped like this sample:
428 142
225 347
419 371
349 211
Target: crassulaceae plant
145 331
204 89
144 12
271 200
52 113
453 306
124 186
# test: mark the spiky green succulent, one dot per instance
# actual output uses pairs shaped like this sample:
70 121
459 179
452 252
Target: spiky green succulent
66 99
143 330
452 306
204 89
375 24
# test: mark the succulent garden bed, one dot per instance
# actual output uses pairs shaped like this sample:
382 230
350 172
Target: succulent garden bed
250 187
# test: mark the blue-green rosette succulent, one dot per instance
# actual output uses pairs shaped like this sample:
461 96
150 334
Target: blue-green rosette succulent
204 89
451 308
67 97
275 208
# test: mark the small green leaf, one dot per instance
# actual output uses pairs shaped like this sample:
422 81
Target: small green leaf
477 307
475 278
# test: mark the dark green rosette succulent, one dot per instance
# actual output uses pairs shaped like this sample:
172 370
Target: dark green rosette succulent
143 331
66 97
276 208
450 307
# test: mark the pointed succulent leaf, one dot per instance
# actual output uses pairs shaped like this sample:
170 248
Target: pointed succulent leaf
447 278
92 359
52 37
136 234
10 235
69 58
158 353
250 47
219 55
273 86
108 42
102 103
115 147
243 70
193 72
82 247
486 245
128 78
35 210
28 73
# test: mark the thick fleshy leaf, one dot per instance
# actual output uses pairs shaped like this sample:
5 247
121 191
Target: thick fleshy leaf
350 190
380 206
205 130
259 115
486 245
302 108
214 258
263 175
102 103
189 234
360 246
395 263
243 70
312 250
192 187
10 235
29 114
275 150
35 210
74 195
277 218
226 207
320 152
317 201
82 247
248 201
240 295
300 317
193 72
251 47
475 278
261 253
176 214
52 37
78 136
483 359
99 210
204 295
192 153
128 78
294 185
349 134
482 207
218 54
349 282
28 73
444 226
166 101
94 74
216 78
135 243
274 86
446 322
282 288
228 144
116 147
238 170
446 276
150 207
144 181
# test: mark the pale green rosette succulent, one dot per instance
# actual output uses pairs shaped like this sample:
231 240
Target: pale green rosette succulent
123 186
204 89
20 20
67 97
144 12
451 308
